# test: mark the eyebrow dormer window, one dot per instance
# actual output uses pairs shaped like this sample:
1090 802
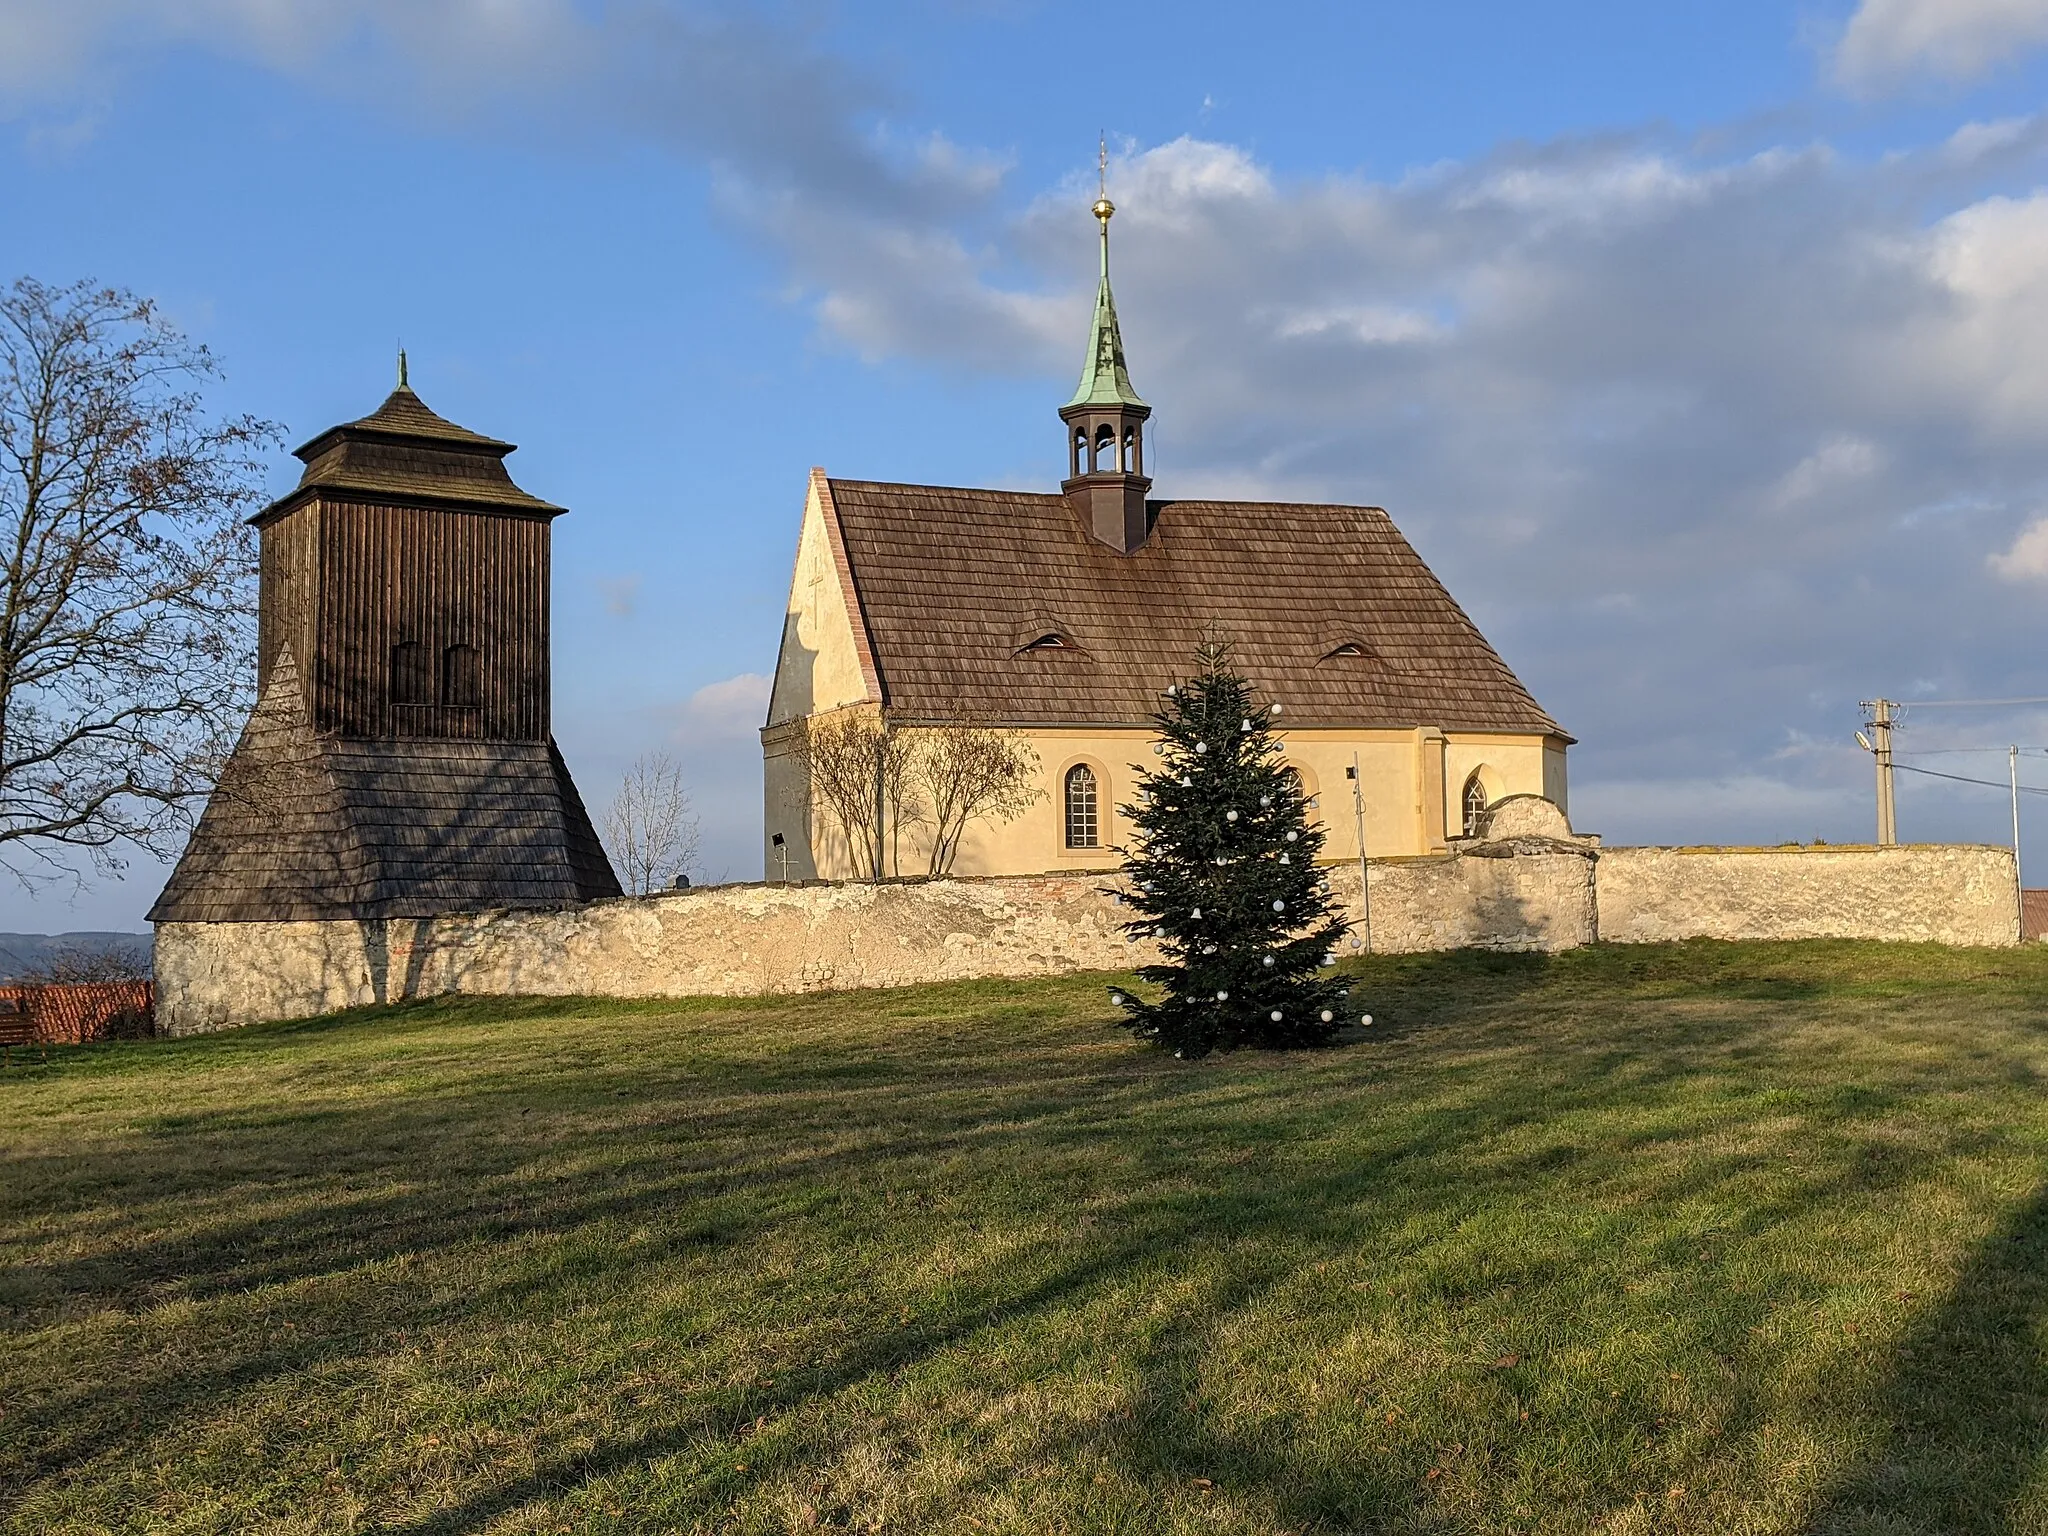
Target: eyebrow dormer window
1348 648
1052 641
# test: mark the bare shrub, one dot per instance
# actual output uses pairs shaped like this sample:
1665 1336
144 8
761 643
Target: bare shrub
860 768
964 771
649 832
73 963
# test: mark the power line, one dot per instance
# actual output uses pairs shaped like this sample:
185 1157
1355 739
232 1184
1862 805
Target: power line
1966 704
2025 789
1953 751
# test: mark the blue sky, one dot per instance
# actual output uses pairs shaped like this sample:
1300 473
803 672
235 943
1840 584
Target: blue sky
1702 348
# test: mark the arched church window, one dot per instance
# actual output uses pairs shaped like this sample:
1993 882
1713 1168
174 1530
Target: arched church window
1082 830
1475 805
411 678
462 676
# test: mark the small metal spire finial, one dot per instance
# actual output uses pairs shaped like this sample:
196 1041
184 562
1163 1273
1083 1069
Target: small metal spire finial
403 381
1103 206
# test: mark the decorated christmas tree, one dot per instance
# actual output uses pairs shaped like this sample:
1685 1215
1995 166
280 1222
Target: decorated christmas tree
1224 877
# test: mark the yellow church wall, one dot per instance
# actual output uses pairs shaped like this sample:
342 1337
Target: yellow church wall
1411 780
1506 765
821 665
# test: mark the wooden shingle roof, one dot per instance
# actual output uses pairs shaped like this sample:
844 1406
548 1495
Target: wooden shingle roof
306 827
953 585
404 451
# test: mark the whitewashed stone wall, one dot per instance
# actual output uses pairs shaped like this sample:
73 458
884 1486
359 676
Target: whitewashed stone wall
1523 888
1934 893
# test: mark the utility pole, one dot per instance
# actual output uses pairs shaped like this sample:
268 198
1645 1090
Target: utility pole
1358 813
2019 886
1879 745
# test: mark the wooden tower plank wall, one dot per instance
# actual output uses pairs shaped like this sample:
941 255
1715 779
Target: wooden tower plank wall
401 761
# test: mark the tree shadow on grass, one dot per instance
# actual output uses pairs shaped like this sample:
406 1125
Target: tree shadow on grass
721 1175
1965 1448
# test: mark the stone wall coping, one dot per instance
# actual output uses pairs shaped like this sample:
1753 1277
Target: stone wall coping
1698 849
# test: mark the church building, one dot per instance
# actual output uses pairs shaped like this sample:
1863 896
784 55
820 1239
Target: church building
400 760
1062 617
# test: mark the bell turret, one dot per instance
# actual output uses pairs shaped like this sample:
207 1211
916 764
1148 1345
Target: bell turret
1106 481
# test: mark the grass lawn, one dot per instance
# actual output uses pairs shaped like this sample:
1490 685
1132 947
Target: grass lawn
1706 1238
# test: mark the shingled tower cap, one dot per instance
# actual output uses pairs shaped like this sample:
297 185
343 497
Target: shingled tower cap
1105 420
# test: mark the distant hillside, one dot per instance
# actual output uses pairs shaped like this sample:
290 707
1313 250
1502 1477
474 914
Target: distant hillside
21 953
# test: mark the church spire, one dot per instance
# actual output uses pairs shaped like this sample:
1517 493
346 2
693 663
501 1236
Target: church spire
1106 481
1104 378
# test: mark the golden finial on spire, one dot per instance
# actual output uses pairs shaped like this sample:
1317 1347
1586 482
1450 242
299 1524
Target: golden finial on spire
1103 206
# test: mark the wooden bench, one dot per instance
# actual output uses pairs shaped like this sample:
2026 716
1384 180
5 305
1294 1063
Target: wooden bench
17 1027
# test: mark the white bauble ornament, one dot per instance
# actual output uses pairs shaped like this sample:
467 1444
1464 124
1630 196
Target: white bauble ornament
1201 746
1365 1018
1230 815
1222 996
1276 709
1279 906
1159 749
1327 1015
1172 691
1269 959
1293 837
1265 802
1116 999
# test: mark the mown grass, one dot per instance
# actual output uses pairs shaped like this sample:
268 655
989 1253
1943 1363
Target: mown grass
1709 1238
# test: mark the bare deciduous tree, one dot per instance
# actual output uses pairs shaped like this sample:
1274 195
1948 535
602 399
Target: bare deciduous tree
965 771
127 578
649 831
87 962
860 768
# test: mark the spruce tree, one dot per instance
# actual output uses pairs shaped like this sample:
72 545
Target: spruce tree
1224 877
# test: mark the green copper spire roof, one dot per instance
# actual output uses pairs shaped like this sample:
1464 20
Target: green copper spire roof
1104 378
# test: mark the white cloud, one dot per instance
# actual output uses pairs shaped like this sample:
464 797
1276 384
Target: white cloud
1372 324
715 79
2027 559
1769 398
1889 41
1839 463
731 710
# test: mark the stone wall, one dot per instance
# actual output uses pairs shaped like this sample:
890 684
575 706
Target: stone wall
1938 893
721 941
1528 885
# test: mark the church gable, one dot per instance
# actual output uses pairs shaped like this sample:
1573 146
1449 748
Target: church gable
826 661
